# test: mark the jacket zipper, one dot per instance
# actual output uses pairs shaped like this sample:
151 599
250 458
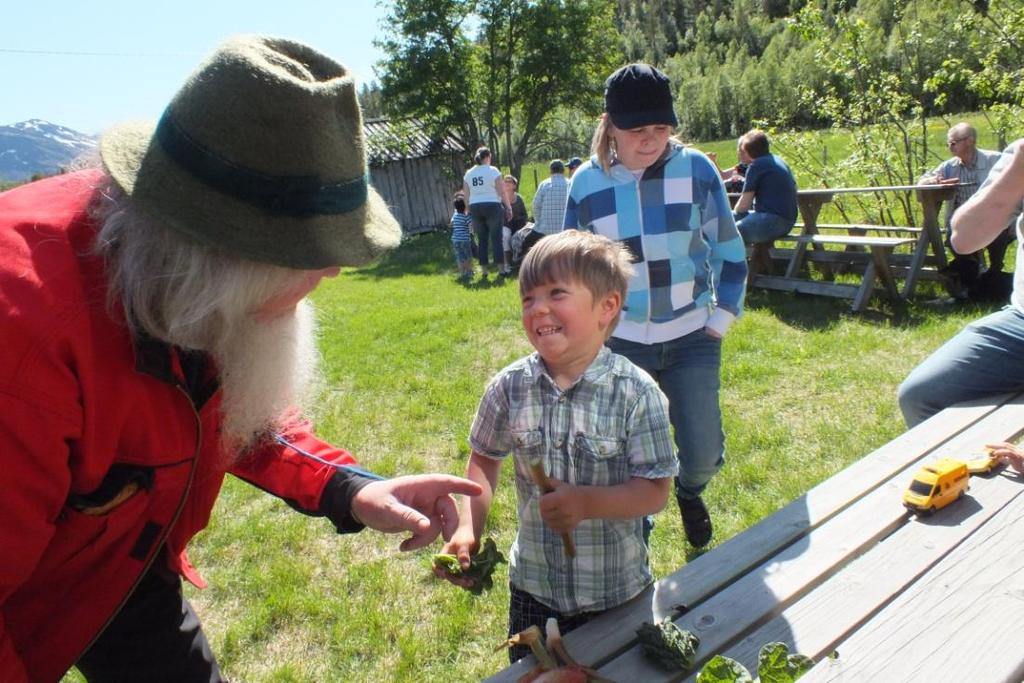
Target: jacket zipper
167 529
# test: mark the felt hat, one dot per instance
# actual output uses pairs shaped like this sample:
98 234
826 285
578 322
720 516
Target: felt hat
639 95
260 154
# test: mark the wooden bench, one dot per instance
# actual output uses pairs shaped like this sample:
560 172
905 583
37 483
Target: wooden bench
864 228
875 259
844 567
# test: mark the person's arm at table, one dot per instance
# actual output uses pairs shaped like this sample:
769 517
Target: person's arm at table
744 204
938 176
986 213
1008 453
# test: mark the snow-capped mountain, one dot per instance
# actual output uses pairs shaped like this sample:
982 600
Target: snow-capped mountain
37 146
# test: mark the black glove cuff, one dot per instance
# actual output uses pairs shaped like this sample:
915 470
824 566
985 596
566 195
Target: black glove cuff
336 501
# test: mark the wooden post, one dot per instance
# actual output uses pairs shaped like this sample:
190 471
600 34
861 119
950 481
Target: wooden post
810 207
931 234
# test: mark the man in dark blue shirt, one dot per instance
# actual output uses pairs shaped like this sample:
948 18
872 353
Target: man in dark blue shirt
766 209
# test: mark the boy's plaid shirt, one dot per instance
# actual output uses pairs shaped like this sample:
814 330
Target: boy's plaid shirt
610 426
691 264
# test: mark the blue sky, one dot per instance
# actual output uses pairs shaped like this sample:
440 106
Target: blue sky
147 49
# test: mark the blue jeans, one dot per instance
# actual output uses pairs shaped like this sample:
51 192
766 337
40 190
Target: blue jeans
487 220
984 359
688 370
463 251
758 226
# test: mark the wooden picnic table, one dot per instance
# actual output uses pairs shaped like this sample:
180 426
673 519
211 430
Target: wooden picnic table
845 575
810 203
873 255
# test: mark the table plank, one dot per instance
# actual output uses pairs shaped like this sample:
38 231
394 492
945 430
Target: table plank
852 240
960 623
794 284
783 578
813 626
612 633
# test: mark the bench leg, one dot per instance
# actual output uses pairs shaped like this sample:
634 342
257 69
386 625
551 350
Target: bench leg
880 257
867 286
760 261
796 261
878 267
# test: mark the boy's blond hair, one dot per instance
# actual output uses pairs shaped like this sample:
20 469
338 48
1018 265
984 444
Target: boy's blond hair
601 265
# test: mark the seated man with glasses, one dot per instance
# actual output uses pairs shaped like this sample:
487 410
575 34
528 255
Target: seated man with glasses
969 167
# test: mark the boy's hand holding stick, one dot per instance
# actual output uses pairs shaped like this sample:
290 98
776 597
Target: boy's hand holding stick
540 478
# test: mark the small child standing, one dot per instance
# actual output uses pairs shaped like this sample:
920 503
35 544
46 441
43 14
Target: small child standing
597 424
462 242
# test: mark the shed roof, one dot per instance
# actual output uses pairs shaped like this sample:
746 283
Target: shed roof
397 140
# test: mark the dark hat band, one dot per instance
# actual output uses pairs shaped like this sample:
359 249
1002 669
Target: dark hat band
283 195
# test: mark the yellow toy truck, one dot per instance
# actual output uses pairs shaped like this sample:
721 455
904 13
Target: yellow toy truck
936 485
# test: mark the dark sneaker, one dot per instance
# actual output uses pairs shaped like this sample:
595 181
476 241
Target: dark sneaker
696 521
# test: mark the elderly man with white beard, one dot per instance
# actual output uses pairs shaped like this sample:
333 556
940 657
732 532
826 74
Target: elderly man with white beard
154 336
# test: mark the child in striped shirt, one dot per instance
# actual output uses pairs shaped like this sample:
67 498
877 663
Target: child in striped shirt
462 242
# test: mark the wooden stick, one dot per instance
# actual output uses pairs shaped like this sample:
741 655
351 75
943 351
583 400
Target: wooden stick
540 478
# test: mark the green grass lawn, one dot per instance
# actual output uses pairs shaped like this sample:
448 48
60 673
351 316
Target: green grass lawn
807 389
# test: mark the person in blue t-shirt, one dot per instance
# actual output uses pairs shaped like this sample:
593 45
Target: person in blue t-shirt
766 209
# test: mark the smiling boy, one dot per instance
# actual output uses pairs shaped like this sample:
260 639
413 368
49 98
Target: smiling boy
597 423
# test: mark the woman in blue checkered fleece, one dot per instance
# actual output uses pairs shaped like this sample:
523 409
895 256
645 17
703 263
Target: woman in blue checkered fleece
667 204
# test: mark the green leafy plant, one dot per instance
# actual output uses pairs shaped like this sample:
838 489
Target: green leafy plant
774 665
481 566
724 670
669 645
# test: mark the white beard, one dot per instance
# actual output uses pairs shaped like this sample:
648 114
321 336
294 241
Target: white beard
267 370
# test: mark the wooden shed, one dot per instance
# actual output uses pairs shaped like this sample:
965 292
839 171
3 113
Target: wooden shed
414 172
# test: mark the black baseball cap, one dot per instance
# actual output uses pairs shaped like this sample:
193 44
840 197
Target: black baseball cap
574 162
639 95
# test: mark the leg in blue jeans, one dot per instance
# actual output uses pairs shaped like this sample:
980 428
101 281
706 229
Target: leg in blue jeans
984 359
758 226
487 218
688 371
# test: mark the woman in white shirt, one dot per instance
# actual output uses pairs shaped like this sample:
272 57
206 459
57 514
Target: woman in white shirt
488 207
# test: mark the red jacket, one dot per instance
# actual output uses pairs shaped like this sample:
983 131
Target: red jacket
78 396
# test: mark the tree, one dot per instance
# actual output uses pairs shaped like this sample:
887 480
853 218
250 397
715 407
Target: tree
565 57
529 59
432 68
369 100
989 64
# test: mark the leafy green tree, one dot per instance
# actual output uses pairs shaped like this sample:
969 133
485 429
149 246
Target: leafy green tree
563 62
529 60
875 89
990 63
369 100
431 69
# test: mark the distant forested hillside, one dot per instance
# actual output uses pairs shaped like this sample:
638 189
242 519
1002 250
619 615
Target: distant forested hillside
787 61
525 77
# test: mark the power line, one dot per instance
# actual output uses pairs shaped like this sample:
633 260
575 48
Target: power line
97 54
